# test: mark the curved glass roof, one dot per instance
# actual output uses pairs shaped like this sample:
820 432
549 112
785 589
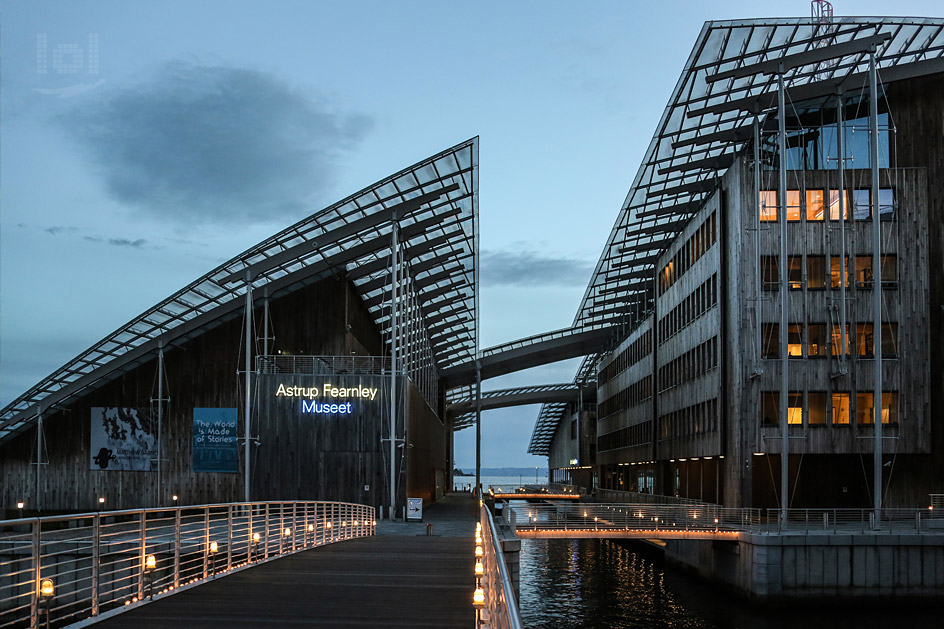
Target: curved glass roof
722 90
435 203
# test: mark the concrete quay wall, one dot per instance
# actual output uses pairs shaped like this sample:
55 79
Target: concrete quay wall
818 566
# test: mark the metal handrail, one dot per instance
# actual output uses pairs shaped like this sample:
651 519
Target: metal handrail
103 563
322 365
501 607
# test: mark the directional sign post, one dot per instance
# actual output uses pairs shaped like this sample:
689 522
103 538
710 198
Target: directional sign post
414 509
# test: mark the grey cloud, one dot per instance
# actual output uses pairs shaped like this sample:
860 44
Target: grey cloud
118 242
214 144
527 268
59 229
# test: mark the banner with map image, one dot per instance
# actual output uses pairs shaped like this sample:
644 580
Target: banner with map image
123 439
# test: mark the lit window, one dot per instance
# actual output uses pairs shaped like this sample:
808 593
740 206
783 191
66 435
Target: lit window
817 407
836 271
863 271
834 199
795 340
840 408
793 205
837 340
864 274
795 409
768 205
815 208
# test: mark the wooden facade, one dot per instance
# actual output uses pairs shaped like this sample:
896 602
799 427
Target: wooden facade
733 456
296 458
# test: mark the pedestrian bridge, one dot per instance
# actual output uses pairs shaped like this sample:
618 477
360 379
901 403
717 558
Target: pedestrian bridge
702 521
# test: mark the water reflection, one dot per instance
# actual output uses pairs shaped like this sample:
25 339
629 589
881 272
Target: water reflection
596 583
593 583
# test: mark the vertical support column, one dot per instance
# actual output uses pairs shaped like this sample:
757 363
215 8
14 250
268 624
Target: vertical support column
39 460
876 288
478 428
206 541
758 340
784 303
160 418
248 341
843 269
393 370
265 320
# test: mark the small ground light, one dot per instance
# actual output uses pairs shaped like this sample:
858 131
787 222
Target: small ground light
328 525
478 598
47 588
213 547
479 569
311 527
174 497
355 522
478 550
375 523
150 562
287 532
255 538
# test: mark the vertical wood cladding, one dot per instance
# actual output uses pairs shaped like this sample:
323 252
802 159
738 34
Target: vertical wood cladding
293 461
837 460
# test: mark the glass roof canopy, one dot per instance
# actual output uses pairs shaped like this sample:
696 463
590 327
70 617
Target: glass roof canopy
707 122
436 204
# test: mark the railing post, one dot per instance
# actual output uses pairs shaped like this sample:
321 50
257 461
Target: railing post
265 540
37 574
281 526
229 536
142 524
176 548
294 524
96 558
206 541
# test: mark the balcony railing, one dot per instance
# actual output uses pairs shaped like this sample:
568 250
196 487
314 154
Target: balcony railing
60 570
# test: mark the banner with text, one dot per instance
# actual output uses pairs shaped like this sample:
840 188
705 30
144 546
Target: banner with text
214 440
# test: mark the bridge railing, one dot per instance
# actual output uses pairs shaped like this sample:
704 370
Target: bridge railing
530 489
840 521
624 517
499 609
634 497
61 570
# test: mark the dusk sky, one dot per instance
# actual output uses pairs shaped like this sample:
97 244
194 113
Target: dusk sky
144 143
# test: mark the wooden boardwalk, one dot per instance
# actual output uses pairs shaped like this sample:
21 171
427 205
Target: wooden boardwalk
402 579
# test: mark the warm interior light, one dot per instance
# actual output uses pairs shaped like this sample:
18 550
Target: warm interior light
479 569
213 547
47 588
478 598
150 562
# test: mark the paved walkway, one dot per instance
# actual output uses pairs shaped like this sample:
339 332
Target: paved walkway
398 578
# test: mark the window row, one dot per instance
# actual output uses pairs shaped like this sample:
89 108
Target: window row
632 395
839 411
860 336
694 248
696 419
816 205
696 304
640 434
636 351
693 363
818 277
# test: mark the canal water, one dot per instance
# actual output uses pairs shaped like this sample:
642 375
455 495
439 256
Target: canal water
597 583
